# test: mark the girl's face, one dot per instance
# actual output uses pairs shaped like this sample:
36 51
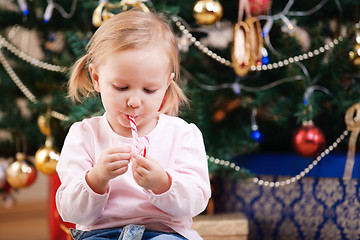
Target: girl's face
132 83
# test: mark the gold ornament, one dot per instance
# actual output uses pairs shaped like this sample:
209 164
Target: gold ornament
355 55
44 124
247 41
207 12
102 11
21 173
139 4
46 158
100 15
241 49
256 40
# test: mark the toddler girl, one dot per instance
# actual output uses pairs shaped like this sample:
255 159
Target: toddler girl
107 189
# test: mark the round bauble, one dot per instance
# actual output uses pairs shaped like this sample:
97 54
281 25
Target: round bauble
259 7
207 12
309 140
355 55
46 159
21 173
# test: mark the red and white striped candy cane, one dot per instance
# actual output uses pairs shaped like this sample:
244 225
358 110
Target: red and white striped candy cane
146 143
135 137
134 134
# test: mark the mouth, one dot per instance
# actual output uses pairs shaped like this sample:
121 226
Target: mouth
129 116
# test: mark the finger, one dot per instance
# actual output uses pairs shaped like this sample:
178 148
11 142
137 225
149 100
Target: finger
135 172
120 163
136 175
119 156
119 149
139 169
121 170
140 160
114 166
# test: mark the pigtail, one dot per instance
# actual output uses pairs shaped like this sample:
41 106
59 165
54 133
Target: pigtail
80 85
175 98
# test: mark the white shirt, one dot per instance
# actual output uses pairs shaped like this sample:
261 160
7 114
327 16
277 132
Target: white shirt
175 144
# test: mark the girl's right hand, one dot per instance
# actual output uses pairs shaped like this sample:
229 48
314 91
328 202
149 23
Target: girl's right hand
112 162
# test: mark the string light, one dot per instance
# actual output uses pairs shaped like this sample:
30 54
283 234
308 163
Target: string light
48 11
50 8
267 27
311 89
287 22
255 133
237 87
265 57
23 7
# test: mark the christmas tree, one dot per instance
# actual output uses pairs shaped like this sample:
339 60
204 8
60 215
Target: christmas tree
255 74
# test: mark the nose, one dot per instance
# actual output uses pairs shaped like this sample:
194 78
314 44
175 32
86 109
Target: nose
134 101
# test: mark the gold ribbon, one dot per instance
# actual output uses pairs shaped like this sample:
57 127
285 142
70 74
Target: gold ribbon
352 120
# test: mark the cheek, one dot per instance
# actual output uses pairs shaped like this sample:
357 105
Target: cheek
161 99
112 100
153 102
162 103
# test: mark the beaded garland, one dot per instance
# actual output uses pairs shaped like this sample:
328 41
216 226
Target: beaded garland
50 67
289 180
33 61
269 66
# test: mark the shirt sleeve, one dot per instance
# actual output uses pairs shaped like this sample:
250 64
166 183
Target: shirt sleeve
190 189
75 200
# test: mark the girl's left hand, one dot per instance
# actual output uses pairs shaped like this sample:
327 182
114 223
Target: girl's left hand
149 174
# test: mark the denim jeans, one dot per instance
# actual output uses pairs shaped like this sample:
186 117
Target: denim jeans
114 233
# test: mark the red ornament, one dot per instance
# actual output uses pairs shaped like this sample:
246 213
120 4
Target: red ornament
309 140
259 7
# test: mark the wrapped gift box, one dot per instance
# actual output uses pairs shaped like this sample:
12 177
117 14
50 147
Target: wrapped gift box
225 226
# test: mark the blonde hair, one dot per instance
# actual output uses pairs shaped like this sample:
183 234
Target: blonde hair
129 30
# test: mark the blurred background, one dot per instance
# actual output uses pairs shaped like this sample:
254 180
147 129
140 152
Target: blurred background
274 87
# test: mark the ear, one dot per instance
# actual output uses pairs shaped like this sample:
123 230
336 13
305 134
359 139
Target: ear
94 77
171 78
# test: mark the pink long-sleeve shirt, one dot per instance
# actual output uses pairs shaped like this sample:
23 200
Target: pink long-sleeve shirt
175 144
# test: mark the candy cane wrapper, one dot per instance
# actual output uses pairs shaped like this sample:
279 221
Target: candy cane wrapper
132 232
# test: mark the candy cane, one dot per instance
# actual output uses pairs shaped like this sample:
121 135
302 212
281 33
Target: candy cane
146 145
136 137
134 134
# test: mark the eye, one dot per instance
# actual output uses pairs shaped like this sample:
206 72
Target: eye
120 88
149 90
